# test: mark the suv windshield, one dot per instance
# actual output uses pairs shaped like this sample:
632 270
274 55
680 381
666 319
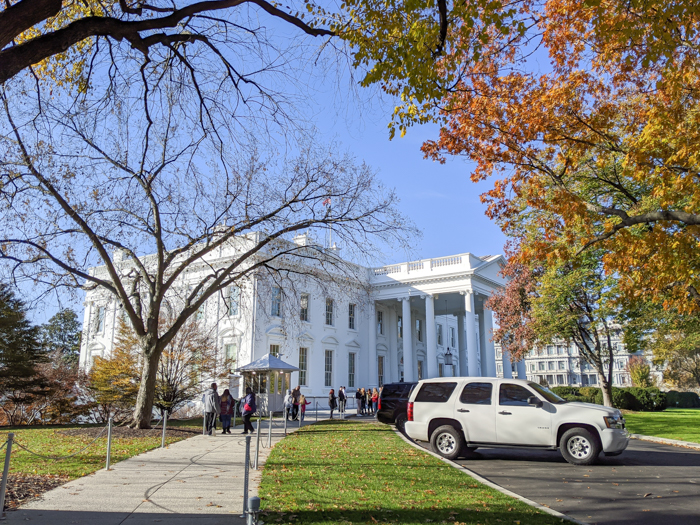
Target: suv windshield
547 394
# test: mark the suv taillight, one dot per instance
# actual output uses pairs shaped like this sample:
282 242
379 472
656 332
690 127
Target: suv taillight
410 411
379 405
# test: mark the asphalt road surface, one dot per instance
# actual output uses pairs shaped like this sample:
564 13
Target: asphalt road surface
649 484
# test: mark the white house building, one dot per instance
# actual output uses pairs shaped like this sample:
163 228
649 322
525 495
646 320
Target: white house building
401 322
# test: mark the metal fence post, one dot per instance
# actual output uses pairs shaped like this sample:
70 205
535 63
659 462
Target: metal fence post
245 476
165 424
204 423
5 473
269 432
237 403
109 441
257 444
286 415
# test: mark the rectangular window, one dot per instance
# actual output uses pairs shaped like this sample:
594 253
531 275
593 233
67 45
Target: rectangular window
304 307
435 392
234 300
562 365
560 379
275 350
351 316
550 365
329 368
420 370
230 351
476 394
541 364
441 370
380 323
351 370
303 360
550 380
100 320
452 337
550 350
419 330
380 370
399 323
439 334
560 350
329 312
276 310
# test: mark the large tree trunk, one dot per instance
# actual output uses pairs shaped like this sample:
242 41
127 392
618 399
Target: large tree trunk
143 412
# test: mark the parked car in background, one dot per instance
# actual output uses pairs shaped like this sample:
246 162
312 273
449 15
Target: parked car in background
393 403
459 414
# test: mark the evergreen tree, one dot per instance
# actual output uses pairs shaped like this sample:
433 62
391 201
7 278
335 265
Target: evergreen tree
61 335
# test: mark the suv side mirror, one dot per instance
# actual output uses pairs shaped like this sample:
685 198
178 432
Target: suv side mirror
534 401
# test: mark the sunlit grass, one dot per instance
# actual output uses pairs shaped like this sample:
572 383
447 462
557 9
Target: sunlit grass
355 473
672 423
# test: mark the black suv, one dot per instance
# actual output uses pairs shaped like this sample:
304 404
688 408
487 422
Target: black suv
393 404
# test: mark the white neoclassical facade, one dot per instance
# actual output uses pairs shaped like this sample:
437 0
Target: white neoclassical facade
401 322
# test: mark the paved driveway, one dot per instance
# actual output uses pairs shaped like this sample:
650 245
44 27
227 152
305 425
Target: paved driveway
648 484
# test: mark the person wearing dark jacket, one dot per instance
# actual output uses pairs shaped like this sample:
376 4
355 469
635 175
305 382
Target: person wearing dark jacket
358 398
227 404
248 410
342 399
212 407
332 401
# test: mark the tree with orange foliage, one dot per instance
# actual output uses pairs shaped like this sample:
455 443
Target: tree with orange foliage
603 144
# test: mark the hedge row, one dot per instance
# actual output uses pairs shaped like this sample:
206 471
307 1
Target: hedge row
682 399
631 398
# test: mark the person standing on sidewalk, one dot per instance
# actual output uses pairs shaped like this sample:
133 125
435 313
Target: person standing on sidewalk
368 401
332 401
212 407
227 403
302 406
342 398
375 400
359 399
288 405
248 410
296 394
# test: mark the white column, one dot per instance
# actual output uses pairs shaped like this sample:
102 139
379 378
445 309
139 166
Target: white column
471 334
522 372
461 345
430 338
507 367
488 352
408 357
372 345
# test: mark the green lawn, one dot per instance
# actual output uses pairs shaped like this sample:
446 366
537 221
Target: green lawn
342 472
672 423
51 441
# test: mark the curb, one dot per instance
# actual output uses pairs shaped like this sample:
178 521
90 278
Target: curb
665 441
491 484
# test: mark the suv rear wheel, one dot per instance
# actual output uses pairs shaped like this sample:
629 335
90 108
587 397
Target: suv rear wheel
401 423
447 441
579 446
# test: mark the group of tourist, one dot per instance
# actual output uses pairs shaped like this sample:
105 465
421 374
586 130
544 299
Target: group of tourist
367 401
295 404
223 407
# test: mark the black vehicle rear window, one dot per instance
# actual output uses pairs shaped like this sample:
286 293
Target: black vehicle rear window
435 392
392 390
477 394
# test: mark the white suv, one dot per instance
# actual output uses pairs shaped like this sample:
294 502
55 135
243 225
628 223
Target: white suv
459 414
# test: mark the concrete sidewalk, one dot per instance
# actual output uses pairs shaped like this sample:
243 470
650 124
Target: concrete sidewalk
199 478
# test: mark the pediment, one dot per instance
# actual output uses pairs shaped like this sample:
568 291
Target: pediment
353 344
329 340
276 330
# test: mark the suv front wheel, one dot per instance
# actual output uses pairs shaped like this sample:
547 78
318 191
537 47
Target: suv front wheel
447 441
579 446
401 423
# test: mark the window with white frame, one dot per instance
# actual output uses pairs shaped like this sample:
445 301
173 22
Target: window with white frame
351 370
329 311
303 365
453 343
441 370
304 307
562 365
276 309
380 322
230 351
541 365
275 350
419 330
329 368
380 370
100 319
420 370
351 316
234 300
550 365
439 334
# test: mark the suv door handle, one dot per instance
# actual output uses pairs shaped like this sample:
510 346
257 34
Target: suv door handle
462 410
505 413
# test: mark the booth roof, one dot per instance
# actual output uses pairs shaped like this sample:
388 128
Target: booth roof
268 363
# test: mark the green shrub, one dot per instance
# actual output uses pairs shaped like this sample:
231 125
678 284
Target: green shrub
676 399
647 399
562 391
589 393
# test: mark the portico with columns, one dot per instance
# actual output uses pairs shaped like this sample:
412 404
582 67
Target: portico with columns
430 312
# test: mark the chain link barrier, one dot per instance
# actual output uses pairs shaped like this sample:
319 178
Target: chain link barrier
3 445
60 458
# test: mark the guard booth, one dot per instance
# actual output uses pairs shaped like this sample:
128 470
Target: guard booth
270 378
